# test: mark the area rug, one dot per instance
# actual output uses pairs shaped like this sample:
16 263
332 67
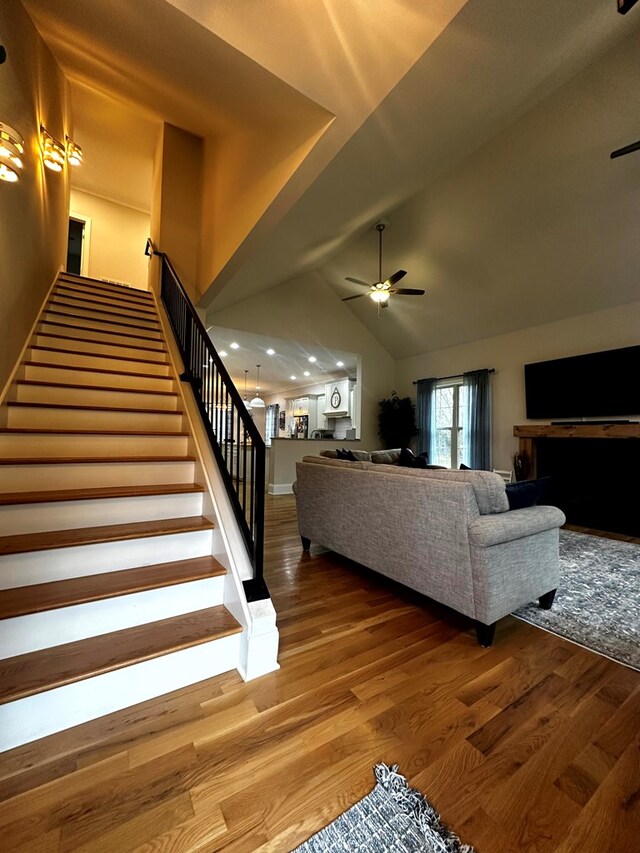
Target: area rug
393 818
598 600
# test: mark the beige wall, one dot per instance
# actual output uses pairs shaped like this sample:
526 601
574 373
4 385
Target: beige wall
118 238
33 212
177 202
307 310
601 330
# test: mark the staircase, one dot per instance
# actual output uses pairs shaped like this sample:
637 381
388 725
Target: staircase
109 593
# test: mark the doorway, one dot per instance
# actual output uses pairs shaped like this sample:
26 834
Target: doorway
78 244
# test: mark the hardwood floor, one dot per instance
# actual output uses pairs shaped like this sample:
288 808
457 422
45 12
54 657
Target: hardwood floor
532 745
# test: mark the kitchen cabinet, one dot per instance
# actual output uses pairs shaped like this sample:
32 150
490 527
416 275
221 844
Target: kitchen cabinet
321 422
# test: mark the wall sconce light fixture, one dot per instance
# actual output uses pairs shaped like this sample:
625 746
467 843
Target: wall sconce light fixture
11 149
52 151
74 152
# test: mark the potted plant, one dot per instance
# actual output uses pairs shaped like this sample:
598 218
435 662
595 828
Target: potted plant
396 421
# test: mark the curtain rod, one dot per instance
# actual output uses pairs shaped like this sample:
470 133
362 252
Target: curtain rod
456 375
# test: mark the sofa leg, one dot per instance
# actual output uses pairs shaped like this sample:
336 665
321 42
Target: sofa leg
546 600
485 634
306 543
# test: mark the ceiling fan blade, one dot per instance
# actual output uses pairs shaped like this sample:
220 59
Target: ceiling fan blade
357 281
357 296
395 277
408 291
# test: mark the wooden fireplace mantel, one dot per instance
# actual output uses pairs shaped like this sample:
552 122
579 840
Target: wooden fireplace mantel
584 430
529 434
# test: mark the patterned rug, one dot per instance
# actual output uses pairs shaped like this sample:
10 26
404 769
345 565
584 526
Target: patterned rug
598 600
393 818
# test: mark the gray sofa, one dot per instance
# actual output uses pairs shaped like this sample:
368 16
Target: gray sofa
447 534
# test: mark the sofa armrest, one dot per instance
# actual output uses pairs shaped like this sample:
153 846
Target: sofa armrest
488 530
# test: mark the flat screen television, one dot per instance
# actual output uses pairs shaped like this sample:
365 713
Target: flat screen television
596 385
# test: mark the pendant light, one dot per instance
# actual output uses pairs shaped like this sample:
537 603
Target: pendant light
247 404
257 402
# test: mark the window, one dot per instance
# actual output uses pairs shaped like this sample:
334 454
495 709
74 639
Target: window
449 414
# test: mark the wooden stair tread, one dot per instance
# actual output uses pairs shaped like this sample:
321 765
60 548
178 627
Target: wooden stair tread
43 431
60 495
86 354
26 675
71 290
76 407
51 596
81 328
98 320
111 388
28 542
102 306
90 460
106 285
44 333
77 367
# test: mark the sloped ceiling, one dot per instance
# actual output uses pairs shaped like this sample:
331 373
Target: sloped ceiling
460 123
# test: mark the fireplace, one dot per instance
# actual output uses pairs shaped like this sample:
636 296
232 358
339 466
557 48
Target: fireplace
594 470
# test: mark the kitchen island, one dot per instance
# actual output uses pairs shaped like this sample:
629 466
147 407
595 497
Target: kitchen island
285 452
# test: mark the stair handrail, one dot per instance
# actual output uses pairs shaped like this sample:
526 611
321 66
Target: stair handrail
228 424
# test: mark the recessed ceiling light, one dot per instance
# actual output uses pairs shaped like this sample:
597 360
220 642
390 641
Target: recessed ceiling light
271 351
223 353
306 373
234 345
293 377
312 359
339 363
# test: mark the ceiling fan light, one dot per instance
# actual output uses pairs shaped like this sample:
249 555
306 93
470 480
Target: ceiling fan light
379 295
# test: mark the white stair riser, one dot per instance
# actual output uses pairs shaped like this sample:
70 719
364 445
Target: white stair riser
24 445
21 417
55 373
93 397
118 362
101 310
87 475
62 563
70 290
36 631
41 715
128 348
120 324
85 323
123 291
69 515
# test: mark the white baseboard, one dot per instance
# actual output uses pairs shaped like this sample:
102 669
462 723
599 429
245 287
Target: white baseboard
280 488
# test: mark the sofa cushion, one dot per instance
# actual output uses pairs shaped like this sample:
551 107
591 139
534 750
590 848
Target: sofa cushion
360 455
385 457
526 493
488 488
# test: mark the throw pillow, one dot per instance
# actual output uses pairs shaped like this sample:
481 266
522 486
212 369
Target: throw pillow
526 492
351 456
341 454
421 462
407 459
464 467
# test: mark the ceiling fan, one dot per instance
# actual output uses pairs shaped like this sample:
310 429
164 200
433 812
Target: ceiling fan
380 291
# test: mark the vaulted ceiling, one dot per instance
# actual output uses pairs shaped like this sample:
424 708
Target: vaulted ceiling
479 131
